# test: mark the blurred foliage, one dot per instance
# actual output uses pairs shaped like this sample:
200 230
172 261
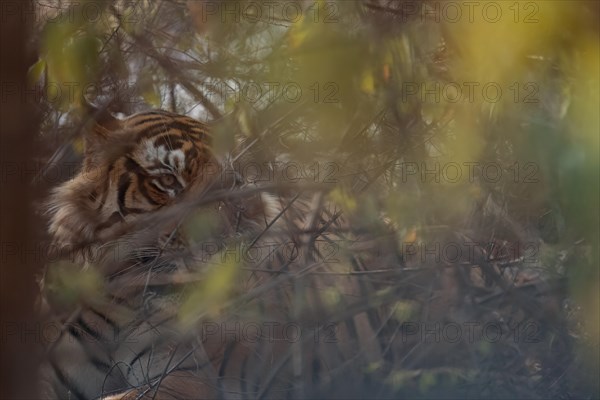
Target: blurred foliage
380 91
67 285
210 295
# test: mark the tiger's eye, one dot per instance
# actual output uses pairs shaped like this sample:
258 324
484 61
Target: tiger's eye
167 180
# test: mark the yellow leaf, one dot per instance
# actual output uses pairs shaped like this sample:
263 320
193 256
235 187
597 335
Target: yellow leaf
405 310
374 366
340 197
209 295
331 296
411 235
298 33
71 60
152 97
69 283
78 145
35 71
367 83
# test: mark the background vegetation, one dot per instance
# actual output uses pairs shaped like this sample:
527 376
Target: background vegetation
499 102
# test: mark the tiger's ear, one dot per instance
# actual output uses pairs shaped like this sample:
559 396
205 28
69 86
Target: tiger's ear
99 124
98 132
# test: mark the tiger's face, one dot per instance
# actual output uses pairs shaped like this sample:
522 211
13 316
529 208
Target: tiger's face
131 167
167 154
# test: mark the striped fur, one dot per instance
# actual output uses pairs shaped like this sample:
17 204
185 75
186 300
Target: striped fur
127 343
141 166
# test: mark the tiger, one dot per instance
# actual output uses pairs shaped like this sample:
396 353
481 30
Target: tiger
140 178
282 294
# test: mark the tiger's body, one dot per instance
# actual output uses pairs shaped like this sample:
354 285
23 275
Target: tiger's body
272 340
310 305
